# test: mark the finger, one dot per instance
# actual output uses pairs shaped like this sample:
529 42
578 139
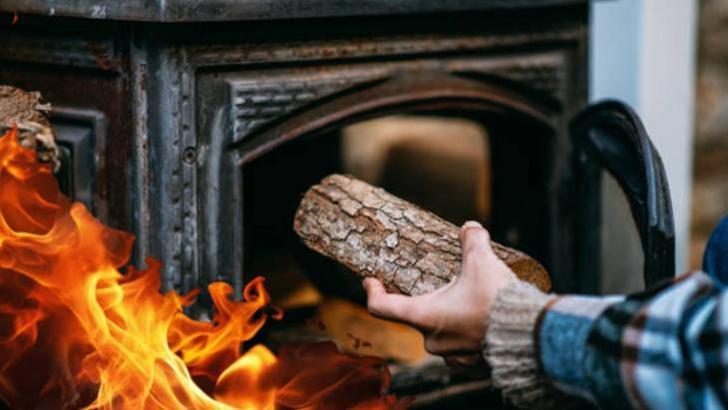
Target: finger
476 246
392 306
474 238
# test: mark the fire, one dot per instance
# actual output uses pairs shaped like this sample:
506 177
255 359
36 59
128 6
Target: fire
77 332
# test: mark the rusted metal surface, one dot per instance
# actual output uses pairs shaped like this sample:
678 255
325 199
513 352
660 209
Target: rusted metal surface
66 61
415 91
227 10
340 95
164 123
180 110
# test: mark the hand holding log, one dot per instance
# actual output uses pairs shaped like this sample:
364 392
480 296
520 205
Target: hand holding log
374 233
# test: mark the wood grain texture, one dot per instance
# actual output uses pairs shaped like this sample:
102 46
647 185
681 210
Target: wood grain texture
374 233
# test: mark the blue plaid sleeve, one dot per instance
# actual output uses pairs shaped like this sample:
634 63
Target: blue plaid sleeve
664 349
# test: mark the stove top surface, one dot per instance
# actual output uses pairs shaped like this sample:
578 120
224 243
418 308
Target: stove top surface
177 11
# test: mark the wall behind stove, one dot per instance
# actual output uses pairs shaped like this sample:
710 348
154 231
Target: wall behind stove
643 53
710 192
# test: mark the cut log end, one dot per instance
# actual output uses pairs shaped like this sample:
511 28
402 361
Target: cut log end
26 112
374 233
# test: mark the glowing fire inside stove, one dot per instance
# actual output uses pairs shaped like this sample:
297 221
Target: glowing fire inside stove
75 332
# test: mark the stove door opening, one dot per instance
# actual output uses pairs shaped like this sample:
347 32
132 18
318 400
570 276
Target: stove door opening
441 163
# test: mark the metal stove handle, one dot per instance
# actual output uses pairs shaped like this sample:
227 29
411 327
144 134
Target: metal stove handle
609 135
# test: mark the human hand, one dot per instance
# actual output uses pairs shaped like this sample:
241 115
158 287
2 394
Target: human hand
453 317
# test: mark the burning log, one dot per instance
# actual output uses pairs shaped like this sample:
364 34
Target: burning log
26 111
374 233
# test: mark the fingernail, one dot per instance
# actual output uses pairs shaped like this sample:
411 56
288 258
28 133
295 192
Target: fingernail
473 224
369 282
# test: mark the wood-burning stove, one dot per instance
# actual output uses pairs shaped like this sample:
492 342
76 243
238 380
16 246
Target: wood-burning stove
166 111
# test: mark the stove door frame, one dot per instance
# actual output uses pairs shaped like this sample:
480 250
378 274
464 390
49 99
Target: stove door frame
522 126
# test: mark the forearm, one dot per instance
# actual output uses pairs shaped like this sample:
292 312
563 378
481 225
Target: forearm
660 349
512 346
657 350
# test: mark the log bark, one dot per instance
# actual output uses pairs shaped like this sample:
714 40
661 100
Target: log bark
27 112
374 233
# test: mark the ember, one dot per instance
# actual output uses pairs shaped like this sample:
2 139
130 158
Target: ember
77 332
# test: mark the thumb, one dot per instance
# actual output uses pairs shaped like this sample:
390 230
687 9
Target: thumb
392 306
475 240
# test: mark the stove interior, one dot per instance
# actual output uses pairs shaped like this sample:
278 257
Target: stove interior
441 163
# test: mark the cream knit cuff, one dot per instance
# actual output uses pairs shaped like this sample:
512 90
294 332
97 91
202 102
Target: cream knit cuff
510 348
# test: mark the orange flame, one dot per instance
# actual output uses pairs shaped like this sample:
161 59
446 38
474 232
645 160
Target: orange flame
77 333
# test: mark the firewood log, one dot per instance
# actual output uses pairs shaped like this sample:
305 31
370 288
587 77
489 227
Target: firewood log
27 112
374 233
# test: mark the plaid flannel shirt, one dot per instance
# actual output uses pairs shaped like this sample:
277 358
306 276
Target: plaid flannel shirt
662 349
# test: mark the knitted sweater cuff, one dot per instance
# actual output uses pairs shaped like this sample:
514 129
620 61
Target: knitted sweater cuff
511 350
